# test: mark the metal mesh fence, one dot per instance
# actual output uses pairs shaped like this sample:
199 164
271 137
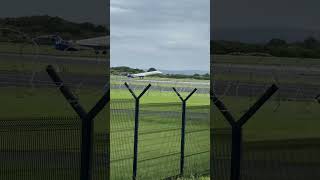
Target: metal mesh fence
46 148
122 125
280 140
163 87
159 139
273 159
159 143
221 153
197 141
283 159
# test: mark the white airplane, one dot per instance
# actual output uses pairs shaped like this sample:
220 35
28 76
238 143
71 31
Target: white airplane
142 75
97 44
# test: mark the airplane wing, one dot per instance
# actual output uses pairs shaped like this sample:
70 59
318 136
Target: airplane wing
98 43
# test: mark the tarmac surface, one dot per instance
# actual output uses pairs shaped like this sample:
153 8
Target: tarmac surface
222 88
306 90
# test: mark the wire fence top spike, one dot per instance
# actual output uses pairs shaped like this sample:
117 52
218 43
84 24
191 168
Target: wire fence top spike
99 106
66 92
259 103
318 98
141 94
195 89
223 109
179 95
54 76
253 109
87 125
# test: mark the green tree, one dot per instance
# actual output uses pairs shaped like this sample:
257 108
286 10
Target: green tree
277 43
310 43
151 69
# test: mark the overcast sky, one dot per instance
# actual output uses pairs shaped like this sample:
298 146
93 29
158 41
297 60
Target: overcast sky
95 11
166 34
266 13
283 17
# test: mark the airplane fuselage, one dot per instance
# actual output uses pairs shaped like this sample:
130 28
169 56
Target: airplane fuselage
97 44
142 75
64 46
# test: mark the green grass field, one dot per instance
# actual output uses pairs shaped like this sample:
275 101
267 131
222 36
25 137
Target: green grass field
275 120
35 102
155 141
159 125
159 135
292 120
162 97
56 146
299 116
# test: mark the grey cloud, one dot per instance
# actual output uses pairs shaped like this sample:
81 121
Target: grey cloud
95 11
265 13
166 34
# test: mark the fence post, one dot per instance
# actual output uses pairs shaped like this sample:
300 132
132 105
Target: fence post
237 127
183 126
136 127
318 98
87 122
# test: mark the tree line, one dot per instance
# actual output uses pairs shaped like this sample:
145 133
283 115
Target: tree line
48 25
308 48
124 70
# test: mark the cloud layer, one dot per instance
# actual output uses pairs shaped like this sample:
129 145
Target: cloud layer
163 34
95 11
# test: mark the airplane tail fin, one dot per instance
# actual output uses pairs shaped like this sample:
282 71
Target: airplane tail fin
61 44
130 75
57 39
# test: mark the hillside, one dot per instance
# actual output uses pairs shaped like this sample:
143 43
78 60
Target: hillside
44 25
308 48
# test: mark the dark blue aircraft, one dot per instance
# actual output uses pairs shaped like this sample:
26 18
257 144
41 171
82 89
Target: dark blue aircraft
97 44
63 45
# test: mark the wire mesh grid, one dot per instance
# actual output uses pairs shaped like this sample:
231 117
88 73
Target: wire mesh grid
46 148
282 159
197 143
40 148
29 93
279 141
159 142
122 126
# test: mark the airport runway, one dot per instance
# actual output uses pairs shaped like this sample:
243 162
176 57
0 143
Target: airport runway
167 82
52 59
291 90
222 88
260 69
309 74
269 72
